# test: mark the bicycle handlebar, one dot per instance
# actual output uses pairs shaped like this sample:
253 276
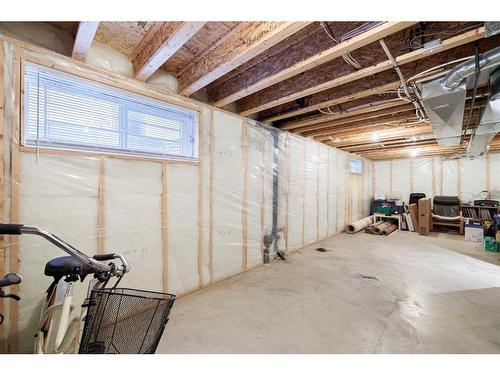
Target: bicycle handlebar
10 279
11 229
17 229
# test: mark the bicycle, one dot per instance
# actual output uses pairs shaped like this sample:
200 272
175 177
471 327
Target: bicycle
111 320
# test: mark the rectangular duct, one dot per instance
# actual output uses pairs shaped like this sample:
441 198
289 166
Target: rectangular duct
487 128
445 110
489 125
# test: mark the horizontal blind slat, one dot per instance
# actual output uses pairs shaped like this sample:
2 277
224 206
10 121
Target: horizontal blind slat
64 111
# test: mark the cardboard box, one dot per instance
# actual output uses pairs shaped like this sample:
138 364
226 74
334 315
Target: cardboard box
413 209
424 216
474 231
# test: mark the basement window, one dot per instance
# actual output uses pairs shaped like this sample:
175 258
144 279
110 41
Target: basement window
62 111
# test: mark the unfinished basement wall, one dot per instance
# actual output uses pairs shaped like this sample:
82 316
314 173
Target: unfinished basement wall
182 225
438 175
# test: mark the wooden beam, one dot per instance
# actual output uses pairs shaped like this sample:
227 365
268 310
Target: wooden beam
167 40
389 145
404 152
344 99
338 50
356 125
247 40
326 98
370 107
83 40
384 135
362 116
447 44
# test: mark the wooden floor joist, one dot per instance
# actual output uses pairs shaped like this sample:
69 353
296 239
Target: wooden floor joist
83 39
447 44
376 106
334 129
374 115
247 40
166 41
344 99
338 50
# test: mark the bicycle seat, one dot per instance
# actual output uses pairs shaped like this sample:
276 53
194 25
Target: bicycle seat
67 266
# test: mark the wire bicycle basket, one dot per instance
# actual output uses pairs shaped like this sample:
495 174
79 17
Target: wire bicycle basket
125 321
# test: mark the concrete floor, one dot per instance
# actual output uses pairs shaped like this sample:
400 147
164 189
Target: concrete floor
436 294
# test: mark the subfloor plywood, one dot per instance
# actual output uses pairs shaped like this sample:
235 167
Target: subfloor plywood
435 294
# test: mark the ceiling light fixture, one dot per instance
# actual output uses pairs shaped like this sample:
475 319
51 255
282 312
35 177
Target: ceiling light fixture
413 152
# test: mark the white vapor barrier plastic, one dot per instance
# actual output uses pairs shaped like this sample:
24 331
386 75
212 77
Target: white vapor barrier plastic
342 165
132 206
228 194
382 178
323 185
295 197
472 178
59 193
463 178
451 177
401 179
333 188
181 192
182 225
494 175
423 176
255 197
310 192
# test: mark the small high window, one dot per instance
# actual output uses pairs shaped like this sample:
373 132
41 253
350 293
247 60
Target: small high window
66 112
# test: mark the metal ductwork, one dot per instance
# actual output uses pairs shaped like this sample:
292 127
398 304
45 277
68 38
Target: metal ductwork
459 74
444 102
489 125
445 110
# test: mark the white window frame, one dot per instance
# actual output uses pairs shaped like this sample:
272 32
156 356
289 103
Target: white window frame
134 101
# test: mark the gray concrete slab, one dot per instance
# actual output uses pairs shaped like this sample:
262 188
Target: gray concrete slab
436 294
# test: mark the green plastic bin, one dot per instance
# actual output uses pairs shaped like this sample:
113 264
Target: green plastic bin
490 244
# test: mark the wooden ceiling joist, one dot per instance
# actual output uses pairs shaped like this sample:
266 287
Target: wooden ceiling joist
364 116
338 50
373 106
83 39
165 40
406 152
389 145
362 123
382 136
246 41
330 103
447 44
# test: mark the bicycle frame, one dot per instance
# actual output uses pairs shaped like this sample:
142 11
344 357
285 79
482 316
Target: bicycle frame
57 332
63 335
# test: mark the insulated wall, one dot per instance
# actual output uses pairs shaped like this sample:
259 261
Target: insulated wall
322 195
182 225
465 178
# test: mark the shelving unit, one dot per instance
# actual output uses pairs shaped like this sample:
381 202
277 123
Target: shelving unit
479 212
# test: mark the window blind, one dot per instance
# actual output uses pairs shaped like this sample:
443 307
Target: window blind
68 112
